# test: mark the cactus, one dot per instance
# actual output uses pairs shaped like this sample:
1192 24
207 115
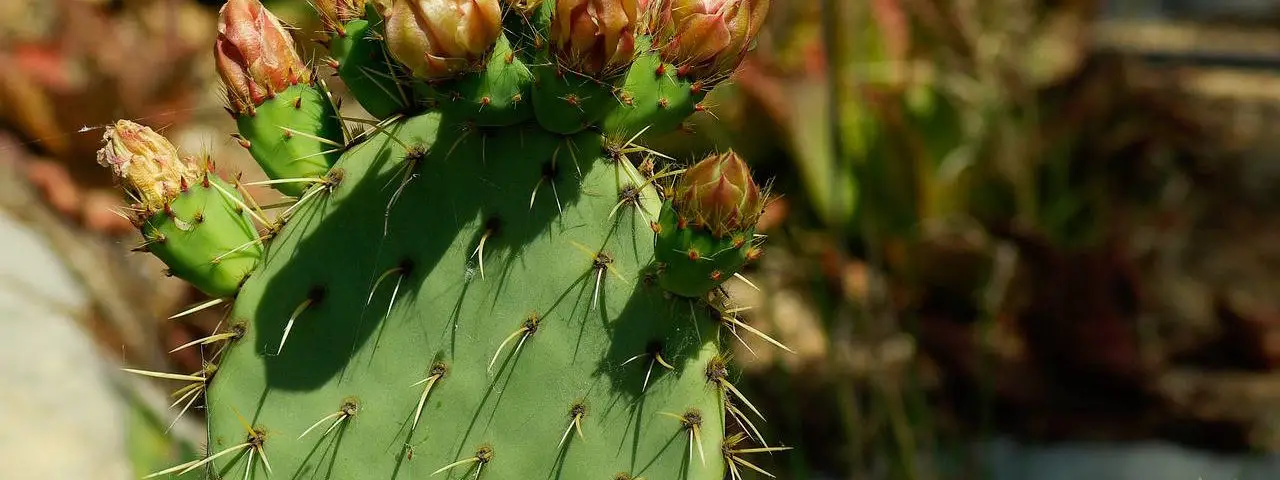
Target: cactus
481 284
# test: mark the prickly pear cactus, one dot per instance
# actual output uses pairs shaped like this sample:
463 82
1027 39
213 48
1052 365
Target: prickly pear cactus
490 279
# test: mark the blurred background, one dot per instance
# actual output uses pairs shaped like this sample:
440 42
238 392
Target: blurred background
1013 238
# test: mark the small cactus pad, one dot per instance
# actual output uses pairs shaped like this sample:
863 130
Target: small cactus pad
692 261
365 67
654 97
497 96
294 135
205 236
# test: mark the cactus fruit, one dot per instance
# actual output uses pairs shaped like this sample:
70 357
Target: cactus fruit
284 114
461 293
707 227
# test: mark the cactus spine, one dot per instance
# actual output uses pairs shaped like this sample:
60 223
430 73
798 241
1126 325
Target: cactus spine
483 284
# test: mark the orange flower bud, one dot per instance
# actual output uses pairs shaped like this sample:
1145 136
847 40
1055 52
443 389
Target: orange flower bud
146 164
709 37
255 55
595 37
440 39
718 193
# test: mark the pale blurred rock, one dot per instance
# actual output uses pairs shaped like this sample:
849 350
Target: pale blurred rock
62 417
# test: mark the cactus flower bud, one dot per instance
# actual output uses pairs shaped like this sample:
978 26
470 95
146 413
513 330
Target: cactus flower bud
595 37
335 13
709 37
146 164
255 55
439 39
718 193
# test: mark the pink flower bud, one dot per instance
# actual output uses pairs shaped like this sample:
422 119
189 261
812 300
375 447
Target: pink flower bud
595 37
440 39
709 38
146 164
718 193
255 55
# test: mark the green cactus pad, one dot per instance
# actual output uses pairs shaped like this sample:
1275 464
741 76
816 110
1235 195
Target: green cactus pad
692 261
297 134
497 96
567 102
381 302
367 69
205 238
653 99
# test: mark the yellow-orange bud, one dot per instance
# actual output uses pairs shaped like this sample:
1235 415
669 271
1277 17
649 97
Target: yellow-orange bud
440 39
146 164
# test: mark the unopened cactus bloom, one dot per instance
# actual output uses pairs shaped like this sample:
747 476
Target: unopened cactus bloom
709 37
595 37
146 164
718 193
439 39
255 55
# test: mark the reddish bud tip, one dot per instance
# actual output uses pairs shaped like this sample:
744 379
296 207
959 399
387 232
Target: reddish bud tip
255 55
